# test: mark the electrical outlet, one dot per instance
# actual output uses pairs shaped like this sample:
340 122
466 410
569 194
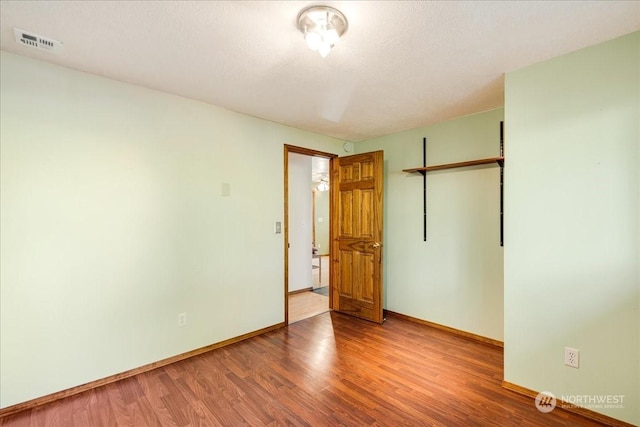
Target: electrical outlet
182 319
572 357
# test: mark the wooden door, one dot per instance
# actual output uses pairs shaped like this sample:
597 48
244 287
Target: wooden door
356 251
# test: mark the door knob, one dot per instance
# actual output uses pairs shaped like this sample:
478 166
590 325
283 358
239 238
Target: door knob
376 245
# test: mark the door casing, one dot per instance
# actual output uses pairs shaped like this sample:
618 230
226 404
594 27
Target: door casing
313 153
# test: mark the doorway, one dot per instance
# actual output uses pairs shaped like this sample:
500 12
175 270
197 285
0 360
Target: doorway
307 232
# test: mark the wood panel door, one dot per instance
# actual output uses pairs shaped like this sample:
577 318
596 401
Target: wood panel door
356 251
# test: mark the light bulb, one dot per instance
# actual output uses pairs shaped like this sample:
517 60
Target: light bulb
331 37
313 39
324 49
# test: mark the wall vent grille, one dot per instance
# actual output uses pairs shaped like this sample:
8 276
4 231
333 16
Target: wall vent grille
36 41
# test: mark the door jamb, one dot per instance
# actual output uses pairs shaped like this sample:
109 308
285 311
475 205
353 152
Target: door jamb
313 153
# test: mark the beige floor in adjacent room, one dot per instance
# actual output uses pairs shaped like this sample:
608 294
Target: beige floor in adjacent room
308 304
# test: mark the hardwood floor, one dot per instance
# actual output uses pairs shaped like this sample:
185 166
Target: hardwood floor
308 304
323 371
305 305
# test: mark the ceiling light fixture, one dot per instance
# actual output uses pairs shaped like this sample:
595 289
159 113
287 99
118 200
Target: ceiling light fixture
324 185
322 27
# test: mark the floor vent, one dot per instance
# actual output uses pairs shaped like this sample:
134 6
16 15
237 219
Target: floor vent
26 38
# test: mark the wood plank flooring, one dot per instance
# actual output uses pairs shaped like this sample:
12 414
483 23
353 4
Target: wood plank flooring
323 371
306 304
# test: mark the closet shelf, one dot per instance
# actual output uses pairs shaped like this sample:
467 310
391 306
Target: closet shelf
423 170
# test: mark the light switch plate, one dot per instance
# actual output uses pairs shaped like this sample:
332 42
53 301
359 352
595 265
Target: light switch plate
225 189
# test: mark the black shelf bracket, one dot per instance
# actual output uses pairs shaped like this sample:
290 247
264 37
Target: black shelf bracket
424 187
424 169
501 163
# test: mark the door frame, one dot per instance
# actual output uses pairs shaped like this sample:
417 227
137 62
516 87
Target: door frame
313 153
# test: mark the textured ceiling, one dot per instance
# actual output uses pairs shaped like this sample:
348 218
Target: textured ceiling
400 65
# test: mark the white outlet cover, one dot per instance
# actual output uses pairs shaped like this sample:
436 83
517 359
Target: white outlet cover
572 357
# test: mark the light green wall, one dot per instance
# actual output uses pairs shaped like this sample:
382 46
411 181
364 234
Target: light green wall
572 257
113 222
455 278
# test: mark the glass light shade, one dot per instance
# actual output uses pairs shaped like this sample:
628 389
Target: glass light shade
324 49
313 39
331 37
322 27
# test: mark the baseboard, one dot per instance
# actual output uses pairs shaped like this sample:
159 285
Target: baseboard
465 334
30 404
566 406
299 291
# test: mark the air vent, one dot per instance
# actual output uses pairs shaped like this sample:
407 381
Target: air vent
26 38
